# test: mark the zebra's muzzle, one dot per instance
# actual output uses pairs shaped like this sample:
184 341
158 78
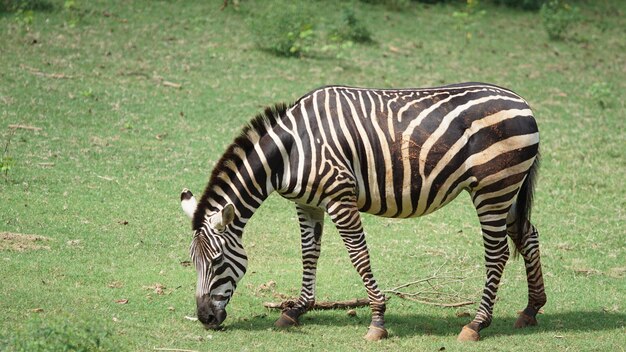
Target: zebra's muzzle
214 321
210 314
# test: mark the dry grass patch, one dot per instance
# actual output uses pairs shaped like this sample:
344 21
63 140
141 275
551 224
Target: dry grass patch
19 242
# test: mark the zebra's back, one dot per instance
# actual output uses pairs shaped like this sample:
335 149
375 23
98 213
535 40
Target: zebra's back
411 151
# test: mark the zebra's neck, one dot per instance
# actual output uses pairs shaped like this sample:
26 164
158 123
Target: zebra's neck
248 172
244 187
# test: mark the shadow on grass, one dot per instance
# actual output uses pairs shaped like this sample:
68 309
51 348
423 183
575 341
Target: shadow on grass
406 325
588 321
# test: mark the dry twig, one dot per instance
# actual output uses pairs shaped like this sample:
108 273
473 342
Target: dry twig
438 304
24 127
433 289
37 72
171 84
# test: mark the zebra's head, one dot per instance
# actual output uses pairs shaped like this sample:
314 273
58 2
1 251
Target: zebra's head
220 260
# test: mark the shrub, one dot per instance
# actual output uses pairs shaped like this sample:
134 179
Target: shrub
351 29
287 31
294 31
557 17
395 5
392 3
25 5
468 17
524 4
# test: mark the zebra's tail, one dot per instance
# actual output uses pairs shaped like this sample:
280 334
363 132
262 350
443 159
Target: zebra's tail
188 202
523 207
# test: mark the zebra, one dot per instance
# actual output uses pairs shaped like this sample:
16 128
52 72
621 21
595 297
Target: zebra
396 153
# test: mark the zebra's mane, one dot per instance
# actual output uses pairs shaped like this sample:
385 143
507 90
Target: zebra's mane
243 144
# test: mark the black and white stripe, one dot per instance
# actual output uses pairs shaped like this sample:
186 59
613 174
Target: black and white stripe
393 153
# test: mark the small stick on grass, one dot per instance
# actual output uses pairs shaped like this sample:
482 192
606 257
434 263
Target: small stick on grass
172 349
106 178
171 84
37 72
25 127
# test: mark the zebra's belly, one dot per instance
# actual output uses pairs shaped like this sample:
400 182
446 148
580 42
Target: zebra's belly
421 199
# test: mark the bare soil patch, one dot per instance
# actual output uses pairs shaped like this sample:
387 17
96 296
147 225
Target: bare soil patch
20 242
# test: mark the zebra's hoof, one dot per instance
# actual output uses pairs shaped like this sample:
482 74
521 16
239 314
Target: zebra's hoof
374 333
468 334
286 320
524 320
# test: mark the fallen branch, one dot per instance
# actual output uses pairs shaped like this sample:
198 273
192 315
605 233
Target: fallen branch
360 302
172 349
434 290
348 304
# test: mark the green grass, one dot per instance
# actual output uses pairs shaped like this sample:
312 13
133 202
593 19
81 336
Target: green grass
101 178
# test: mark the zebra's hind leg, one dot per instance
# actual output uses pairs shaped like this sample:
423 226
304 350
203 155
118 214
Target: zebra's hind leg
493 224
311 225
528 246
347 219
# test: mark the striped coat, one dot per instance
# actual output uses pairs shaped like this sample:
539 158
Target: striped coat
393 153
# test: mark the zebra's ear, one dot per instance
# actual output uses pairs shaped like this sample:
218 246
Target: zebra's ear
188 202
228 214
223 218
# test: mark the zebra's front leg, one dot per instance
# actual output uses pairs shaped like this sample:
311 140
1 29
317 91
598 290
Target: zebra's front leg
311 225
347 219
496 256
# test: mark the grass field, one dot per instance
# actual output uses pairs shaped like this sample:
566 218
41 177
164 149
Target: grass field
122 104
